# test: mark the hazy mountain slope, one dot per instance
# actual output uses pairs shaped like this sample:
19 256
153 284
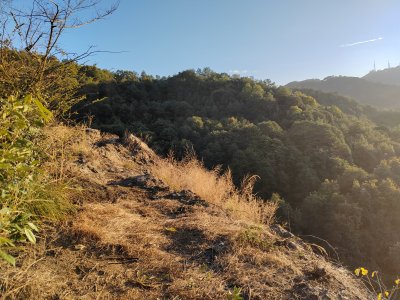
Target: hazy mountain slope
346 104
389 76
387 118
138 237
364 91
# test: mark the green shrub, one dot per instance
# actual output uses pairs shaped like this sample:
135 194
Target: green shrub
235 294
26 196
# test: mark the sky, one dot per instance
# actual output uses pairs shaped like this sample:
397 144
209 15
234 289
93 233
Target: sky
280 40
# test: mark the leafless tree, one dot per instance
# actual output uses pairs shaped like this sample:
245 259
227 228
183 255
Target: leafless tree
30 54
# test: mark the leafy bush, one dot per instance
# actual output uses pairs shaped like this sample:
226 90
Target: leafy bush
25 193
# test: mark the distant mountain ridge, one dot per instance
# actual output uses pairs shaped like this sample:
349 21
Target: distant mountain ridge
387 76
380 89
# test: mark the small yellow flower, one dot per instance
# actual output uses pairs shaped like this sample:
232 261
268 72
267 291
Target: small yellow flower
397 281
361 271
364 272
386 294
379 296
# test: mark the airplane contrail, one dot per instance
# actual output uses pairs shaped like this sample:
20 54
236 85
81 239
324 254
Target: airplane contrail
362 42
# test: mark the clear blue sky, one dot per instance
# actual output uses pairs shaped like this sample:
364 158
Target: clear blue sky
282 40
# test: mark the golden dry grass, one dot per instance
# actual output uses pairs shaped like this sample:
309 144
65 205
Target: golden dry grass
218 189
63 144
129 242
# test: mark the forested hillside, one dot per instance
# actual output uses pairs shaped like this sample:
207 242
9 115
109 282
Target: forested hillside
115 185
335 170
366 91
385 118
83 209
386 76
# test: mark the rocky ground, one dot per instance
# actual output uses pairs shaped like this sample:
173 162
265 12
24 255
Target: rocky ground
135 237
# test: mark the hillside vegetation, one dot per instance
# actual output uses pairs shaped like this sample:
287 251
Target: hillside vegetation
160 229
89 214
380 93
384 119
386 76
335 172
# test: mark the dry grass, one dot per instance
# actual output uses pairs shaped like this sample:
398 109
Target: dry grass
115 225
210 185
131 242
63 145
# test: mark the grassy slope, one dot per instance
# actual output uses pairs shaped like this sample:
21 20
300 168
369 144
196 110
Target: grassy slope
136 236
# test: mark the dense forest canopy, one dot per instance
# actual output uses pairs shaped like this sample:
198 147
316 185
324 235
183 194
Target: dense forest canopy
336 170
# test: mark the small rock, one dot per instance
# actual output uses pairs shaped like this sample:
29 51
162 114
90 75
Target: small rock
91 130
282 232
287 243
291 245
79 247
316 273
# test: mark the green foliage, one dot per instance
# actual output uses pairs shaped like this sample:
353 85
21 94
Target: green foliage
271 129
336 170
56 88
235 294
24 194
256 237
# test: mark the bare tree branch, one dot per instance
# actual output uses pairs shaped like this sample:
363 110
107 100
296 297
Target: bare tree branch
31 60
